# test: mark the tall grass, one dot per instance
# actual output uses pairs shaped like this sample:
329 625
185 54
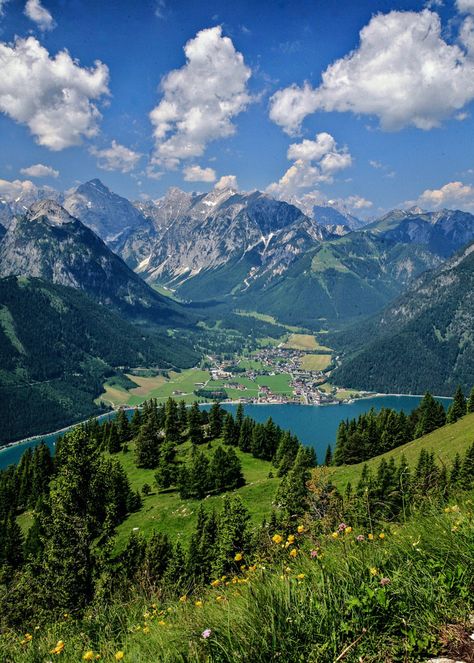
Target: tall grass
338 599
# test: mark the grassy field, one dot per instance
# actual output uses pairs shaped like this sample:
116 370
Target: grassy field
279 384
315 362
341 394
157 387
304 342
267 318
444 442
166 512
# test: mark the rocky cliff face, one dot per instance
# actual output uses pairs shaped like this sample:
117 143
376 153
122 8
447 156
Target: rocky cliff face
106 213
48 243
187 235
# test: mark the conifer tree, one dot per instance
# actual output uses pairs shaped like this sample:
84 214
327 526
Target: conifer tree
245 437
136 423
328 456
232 534
458 407
172 422
123 427
114 443
470 402
216 415
194 424
166 471
147 445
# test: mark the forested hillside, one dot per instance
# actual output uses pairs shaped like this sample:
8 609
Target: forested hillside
424 340
57 347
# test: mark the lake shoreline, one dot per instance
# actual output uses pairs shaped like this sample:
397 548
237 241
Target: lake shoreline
367 395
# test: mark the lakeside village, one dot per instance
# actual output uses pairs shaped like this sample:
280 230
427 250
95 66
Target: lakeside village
229 375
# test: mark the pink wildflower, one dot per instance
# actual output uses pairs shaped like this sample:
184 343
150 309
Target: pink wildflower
206 634
384 581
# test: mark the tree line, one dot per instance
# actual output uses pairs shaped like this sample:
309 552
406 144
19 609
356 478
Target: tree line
373 433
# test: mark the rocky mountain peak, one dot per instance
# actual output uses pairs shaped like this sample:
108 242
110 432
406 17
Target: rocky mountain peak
54 213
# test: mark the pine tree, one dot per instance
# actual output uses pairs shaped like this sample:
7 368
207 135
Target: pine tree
466 475
167 471
229 430
194 424
232 534
328 456
239 416
470 402
458 407
123 427
245 437
292 494
158 555
114 443
182 416
147 445
216 415
172 423
341 444
136 423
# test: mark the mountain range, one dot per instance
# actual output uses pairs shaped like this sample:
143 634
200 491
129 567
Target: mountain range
425 337
48 243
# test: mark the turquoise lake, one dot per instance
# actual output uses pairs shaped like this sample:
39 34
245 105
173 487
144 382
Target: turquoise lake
314 425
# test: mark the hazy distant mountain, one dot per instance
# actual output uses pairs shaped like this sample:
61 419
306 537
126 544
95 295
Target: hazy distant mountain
423 340
442 232
48 243
105 212
329 215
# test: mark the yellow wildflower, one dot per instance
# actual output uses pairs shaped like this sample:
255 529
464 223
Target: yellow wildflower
300 529
238 557
215 583
291 538
59 647
293 552
348 530
88 656
198 604
162 622
381 535
300 576
219 599
370 537
146 615
335 535
277 538
27 638
253 567
373 571
183 599
119 655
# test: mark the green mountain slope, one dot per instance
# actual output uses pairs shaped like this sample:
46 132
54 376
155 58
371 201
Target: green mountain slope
57 347
424 340
341 280
445 443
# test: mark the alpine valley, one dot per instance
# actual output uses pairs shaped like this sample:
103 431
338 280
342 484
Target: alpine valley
212 268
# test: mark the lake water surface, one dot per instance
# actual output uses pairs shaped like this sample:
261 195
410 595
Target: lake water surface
315 425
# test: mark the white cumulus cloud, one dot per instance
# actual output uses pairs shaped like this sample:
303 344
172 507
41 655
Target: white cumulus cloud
451 195
198 174
403 72
314 162
200 99
39 15
53 96
465 6
227 182
39 170
116 157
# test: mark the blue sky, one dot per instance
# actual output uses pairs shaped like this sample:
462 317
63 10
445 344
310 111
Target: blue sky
390 124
